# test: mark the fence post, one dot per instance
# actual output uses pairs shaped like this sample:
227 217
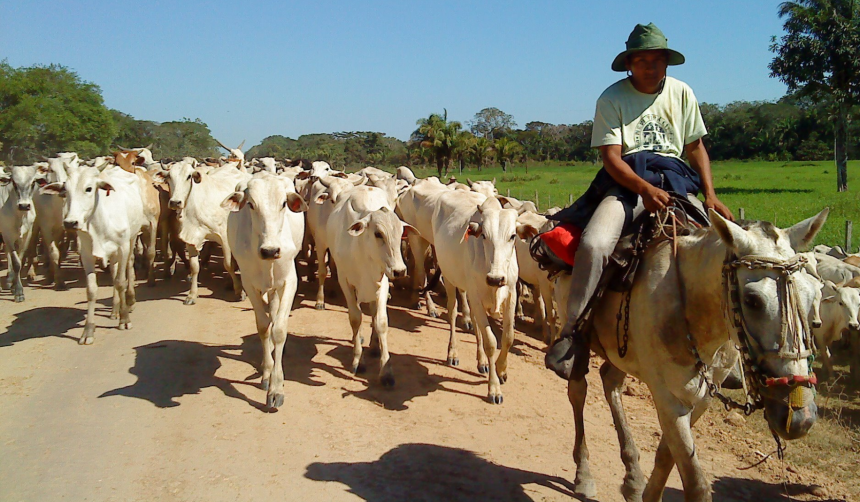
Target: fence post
849 225
509 192
741 214
570 199
537 200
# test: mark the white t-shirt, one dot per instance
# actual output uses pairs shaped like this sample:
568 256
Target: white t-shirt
661 123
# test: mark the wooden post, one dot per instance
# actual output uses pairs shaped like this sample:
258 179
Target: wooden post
537 200
741 214
848 227
509 192
570 200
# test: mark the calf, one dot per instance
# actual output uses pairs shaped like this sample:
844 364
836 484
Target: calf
364 237
839 308
264 232
17 218
474 239
106 210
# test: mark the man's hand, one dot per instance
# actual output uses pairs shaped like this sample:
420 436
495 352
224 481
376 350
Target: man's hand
654 199
712 202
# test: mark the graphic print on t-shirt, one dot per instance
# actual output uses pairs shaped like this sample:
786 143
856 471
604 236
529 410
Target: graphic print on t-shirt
654 133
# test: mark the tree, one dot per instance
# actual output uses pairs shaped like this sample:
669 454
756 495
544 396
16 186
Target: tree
440 136
482 151
184 138
48 109
506 150
492 123
820 56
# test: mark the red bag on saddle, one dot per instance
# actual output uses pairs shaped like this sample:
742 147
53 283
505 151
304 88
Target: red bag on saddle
563 240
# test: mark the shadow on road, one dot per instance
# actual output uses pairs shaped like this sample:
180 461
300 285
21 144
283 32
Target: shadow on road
42 322
431 472
741 489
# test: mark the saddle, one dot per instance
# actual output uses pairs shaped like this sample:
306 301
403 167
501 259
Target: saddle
680 218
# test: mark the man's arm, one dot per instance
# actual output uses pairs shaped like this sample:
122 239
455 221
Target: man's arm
653 198
699 160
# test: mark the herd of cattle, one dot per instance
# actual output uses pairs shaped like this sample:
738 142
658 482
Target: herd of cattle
265 213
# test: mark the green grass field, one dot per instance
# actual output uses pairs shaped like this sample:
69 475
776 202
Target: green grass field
781 192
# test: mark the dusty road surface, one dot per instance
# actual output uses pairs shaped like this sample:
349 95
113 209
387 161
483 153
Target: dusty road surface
172 410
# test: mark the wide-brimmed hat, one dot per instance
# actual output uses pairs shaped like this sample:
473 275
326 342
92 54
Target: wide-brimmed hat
646 38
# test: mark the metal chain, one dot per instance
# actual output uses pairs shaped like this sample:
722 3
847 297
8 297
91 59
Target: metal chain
714 391
622 340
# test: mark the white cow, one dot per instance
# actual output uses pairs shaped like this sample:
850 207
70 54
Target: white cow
530 273
49 213
17 218
364 236
828 268
474 240
106 210
129 161
265 231
197 195
236 156
487 188
839 309
406 174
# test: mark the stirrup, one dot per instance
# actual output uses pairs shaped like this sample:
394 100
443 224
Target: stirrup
568 356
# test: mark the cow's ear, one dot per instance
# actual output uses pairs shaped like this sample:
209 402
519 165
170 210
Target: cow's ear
197 176
234 202
526 231
322 197
5 179
296 203
358 227
407 228
54 189
303 175
474 229
339 175
160 176
104 185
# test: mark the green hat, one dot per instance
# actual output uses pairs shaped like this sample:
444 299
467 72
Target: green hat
646 38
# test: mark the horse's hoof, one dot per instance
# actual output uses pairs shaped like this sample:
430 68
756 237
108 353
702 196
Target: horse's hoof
358 369
586 488
453 361
387 380
483 369
189 301
274 401
496 398
319 306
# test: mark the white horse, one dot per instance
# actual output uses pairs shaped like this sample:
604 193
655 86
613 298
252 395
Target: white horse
687 337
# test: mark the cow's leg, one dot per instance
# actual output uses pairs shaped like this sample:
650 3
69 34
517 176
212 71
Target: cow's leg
194 261
130 296
583 484
520 289
453 359
634 481
261 315
14 277
664 463
675 421
380 321
280 318
355 324
465 310
321 276
114 307
88 262
230 266
826 364
482 326
54 257
507 339
546 294
150 235
124 256
373 350
418 248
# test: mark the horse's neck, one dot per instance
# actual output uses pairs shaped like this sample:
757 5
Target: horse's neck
700 262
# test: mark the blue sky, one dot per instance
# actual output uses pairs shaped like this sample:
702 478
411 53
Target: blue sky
253 69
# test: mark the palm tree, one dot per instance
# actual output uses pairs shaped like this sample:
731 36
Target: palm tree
506 150
438 135
482 150
463 146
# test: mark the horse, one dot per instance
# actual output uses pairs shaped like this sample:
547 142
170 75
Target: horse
720 288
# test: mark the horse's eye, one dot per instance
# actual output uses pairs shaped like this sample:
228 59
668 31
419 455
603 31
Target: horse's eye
753 301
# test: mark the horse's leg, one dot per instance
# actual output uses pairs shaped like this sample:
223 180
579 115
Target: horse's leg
634 481
675 421
583 484
664 463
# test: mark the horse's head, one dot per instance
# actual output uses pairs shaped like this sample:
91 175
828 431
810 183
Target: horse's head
769 302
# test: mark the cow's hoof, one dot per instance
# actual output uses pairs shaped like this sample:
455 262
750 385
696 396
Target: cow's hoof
86 340
467 325
319 306
114 315
503 377
125 325
189 301
374 352
483 369
496 398
433 314
387 380
61 287
586 488
264 383
19 298
131 308
274 401
241 296
453 361
521 318
358 369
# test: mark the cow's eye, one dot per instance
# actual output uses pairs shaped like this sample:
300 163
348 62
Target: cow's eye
378 234
513 237
251 205
841 304
189 177
284 204
89 189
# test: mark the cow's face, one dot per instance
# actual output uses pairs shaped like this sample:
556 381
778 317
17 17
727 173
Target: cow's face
379 235
266 200
848 302
82 190
498 230
22 179
180 178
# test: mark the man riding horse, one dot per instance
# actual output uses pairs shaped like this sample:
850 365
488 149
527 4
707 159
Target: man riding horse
642 125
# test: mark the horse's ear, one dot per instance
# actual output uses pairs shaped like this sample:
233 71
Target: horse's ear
802 234
734 236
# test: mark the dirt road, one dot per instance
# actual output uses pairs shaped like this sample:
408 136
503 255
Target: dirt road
171 410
